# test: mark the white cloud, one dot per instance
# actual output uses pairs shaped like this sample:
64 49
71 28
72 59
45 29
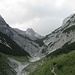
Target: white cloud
42 15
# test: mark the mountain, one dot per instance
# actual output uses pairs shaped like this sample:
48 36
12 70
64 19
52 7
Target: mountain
56 48
8 46
60 50
29 40
24 42
33 34
30 33
61 36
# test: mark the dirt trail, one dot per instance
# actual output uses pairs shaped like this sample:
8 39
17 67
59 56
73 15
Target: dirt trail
52 70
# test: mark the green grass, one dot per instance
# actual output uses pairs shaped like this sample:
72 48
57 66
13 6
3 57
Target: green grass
20 58
5 69
63 64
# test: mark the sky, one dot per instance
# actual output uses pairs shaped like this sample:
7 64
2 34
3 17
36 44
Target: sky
43 16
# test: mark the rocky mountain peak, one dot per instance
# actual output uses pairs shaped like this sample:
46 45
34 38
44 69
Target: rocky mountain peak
33 34
30 31
69 20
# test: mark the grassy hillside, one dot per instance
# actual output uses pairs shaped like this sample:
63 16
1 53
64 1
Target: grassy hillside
5 69
63 65
20 58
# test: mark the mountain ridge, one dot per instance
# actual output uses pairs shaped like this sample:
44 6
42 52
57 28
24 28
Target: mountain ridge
30 33
52 54
48 44
61 35
24 42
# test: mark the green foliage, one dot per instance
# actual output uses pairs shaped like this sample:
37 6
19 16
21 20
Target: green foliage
5 69
63 65
62 60
20 58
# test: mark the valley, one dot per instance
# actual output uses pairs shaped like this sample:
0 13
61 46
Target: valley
29 53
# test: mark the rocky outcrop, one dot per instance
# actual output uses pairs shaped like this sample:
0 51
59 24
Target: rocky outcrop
62 35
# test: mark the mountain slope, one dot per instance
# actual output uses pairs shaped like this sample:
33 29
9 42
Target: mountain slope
66 48
30 33
8 46
33 34
61 65
62 35
24 42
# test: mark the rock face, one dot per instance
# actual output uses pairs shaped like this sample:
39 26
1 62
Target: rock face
30 33
33 34
26 39
8 46
24 42
62 35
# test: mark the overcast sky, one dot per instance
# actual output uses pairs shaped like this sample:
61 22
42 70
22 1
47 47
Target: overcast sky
42 15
